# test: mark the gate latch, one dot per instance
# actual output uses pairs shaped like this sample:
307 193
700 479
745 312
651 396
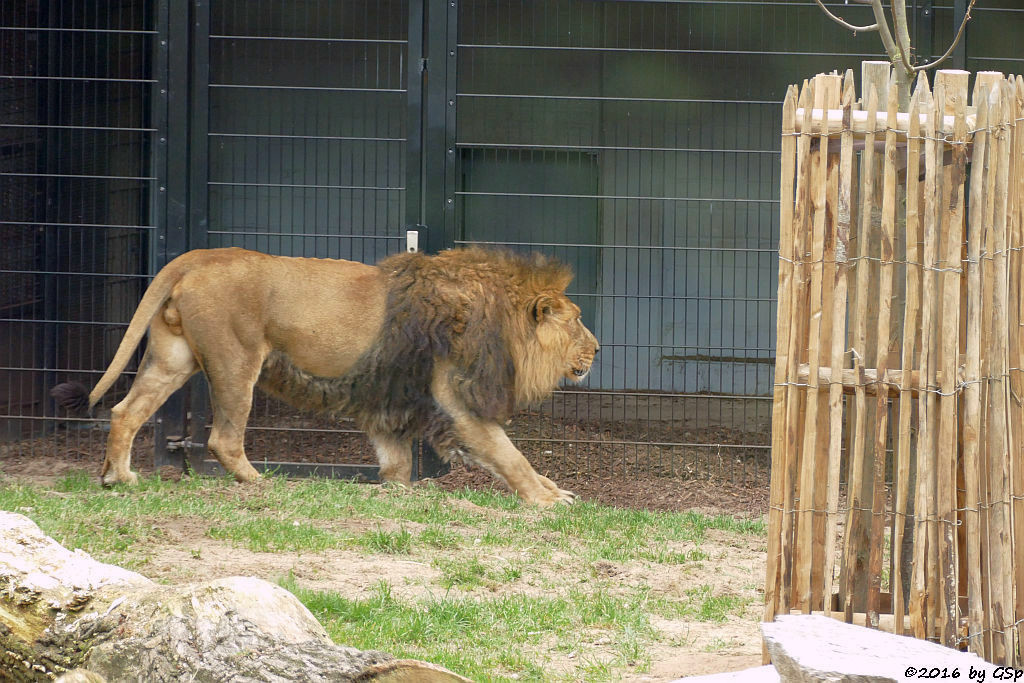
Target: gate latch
175 443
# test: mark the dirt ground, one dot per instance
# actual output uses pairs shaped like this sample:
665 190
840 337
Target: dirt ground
730 475
590 459
688 647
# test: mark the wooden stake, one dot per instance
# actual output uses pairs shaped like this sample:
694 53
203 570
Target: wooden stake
782 359
804 538
910 316
976 622
954 87
855 541
925 435
839 299
984 84
833 98
998 448
1016 217
888 235
795 408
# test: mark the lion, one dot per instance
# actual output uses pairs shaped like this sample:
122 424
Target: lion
441 347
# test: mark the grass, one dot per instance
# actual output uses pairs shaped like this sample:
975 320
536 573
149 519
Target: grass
503 628
510 588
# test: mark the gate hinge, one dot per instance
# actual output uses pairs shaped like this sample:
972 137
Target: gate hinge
423 64
176 444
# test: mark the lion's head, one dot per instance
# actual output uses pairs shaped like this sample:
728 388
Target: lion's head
556 345
500 319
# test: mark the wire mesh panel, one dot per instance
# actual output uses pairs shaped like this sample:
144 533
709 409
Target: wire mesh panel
993 42
307 127
307 140
639 142
76 182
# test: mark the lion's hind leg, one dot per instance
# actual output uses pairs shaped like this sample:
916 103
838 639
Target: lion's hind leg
394 456
166 366
232 375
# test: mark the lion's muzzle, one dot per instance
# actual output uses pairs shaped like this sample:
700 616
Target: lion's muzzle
581 368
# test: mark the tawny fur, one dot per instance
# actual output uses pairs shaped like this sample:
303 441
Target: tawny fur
440 347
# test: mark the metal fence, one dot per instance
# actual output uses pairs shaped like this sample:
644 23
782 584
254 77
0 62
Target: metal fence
638 141
78 189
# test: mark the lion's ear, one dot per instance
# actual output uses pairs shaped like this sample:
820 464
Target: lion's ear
543 305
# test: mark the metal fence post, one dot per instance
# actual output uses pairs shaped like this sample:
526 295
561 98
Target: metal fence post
431 143
439 130
172 221
197 389
959 56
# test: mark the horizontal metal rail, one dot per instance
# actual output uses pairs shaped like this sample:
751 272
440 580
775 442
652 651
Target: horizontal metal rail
369 473
623 197
97 79
766 250
609 98
300 186
280 136
656 50
127 276
310 39
659 444
77 225
256 233
34 321
75 176
63 29
603 148
42 126
257 86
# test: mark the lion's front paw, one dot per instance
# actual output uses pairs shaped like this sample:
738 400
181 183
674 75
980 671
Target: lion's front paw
549 498
566 497
557 495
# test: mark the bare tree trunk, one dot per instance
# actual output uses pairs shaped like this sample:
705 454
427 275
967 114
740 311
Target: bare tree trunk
896 41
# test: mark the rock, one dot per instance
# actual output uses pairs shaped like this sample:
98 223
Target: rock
62 611
817 648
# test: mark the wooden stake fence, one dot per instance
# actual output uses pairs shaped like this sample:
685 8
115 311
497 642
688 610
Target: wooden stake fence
897 487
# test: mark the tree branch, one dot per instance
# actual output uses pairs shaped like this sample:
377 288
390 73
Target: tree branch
952 46
883 30
899 22
842 22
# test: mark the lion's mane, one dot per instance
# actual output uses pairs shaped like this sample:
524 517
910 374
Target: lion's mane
470 309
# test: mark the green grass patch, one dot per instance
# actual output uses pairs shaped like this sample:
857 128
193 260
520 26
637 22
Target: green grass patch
703 604
483 639
273 535
441 538
465 573
515 585
388 542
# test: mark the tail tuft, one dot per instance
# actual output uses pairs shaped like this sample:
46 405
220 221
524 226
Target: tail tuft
72 397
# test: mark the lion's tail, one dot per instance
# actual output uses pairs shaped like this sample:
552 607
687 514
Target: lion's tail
157 293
